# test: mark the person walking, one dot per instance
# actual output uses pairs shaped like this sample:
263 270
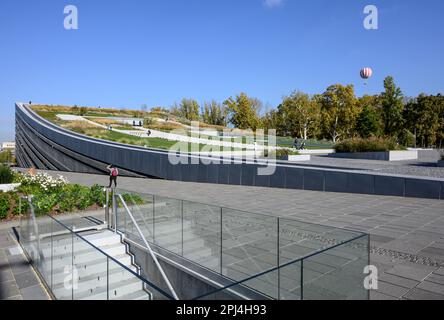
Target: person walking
113 174
296 143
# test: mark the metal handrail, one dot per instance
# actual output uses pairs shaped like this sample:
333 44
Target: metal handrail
145 281
150 250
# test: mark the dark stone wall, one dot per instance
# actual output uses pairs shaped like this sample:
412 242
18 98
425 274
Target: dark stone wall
45 146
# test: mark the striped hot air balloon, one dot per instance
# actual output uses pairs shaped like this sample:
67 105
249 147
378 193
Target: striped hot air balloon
366 73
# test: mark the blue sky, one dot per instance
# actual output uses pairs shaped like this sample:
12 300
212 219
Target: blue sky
127 53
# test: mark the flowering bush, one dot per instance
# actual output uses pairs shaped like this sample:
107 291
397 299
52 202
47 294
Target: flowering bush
42 181
52 195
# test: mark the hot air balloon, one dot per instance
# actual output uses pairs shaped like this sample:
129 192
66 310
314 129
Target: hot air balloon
366 73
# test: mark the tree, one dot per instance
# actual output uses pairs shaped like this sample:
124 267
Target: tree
188 109
215 114
369 122
392 108
243 112
339 110
75 109
144 108
83 111
440 131
300 114
422 117
272 120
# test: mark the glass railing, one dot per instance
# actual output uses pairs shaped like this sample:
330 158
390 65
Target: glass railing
73 267
262 256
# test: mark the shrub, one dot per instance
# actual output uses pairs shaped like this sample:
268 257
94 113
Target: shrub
406 138
372 144
6 157
132 199
20 206
97 195
6 175
31 184
50 195
280 153
4 205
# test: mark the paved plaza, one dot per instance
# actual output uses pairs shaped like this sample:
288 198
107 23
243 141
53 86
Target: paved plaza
18 280
426 167
407 234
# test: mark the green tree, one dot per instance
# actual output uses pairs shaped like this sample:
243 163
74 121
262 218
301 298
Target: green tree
440 131
422 118
188 109
339 110
6 157
392 108
215 114
83 111
369 122
273 120
300 115
243 112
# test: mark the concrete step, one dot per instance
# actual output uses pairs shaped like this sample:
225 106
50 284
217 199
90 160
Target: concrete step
116 290
90 267
93 281
137 295
82 251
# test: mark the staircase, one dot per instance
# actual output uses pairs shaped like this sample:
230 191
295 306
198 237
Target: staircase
95 276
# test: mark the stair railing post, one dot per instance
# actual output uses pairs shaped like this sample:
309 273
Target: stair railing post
107 207
115 211
147 246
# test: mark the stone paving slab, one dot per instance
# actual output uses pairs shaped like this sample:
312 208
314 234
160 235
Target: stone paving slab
407 234
419 294
18 281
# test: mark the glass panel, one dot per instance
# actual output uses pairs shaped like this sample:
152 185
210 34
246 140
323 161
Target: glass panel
201 234
79 220
44 243
141 207
90 273
337 273
168 224
124 285
35 237
249 244
62 249
27 233
298 239
261 287
290 281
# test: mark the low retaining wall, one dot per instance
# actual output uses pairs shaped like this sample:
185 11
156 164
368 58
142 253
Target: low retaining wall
297 158
383 156
85 155
429 155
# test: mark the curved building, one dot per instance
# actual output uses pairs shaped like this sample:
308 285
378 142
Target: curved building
43 145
